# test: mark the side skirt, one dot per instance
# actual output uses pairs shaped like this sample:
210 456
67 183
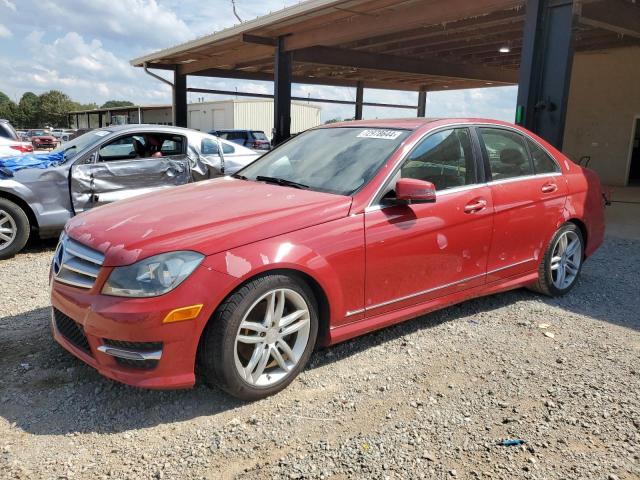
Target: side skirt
360 327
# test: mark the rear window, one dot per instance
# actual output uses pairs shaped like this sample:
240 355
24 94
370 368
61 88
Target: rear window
7 131
259 136
210 147
508 157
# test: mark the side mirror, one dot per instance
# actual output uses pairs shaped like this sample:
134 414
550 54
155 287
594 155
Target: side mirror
411 190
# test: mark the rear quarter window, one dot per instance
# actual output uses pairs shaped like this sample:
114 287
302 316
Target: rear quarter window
542 161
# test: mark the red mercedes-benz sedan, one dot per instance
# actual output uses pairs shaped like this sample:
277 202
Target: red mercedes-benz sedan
342 230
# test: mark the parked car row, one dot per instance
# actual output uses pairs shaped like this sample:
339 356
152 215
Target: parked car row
10 142
253 139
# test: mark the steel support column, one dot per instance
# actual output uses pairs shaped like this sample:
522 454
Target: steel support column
359 100
282 93
179 99
99 119
422 103
545 68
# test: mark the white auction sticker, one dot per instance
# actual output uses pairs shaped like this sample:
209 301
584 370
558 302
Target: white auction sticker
383 134
101 133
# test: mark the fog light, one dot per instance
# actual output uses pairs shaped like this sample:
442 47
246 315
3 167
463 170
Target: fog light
182 314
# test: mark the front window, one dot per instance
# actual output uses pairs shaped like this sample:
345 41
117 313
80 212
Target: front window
335 160
444 158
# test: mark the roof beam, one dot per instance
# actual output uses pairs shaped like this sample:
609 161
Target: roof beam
614 15
360 26
392 63
248 38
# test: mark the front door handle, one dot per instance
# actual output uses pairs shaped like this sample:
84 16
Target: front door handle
549 187
475 206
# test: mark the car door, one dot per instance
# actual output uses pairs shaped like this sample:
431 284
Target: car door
418 252
127 166
528 200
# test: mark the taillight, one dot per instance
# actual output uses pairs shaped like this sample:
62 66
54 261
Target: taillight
22 148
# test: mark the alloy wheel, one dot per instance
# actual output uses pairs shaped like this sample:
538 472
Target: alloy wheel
272 337
566 259
8 229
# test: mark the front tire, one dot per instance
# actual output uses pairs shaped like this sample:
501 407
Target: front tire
562 262
14 228
261 337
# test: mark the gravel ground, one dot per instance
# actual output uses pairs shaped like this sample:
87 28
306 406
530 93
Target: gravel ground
431 398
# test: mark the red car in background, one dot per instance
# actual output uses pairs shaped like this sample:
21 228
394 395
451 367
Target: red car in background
42 139
342 230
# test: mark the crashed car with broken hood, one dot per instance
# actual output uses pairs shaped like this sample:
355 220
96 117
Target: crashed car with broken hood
39 193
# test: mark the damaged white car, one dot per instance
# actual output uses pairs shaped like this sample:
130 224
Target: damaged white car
39 193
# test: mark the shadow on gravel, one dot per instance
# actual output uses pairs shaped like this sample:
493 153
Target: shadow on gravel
46 391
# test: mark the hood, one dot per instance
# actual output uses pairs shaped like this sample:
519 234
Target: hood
43 137
206 217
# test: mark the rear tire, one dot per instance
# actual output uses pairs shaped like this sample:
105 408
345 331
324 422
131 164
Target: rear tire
14 228
562 262
260 337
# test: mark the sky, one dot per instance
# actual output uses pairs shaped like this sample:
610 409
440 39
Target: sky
83 48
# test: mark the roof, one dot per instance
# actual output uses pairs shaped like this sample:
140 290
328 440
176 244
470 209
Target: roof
395 44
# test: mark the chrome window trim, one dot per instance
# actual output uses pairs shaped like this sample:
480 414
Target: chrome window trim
523 177
459 125
434 289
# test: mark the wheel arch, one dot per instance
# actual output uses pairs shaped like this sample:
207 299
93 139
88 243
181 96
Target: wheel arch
33 220
583 230
318 292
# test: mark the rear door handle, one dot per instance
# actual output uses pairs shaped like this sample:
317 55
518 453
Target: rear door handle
475 206
549 187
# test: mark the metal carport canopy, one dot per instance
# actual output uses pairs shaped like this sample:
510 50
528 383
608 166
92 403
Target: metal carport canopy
391 44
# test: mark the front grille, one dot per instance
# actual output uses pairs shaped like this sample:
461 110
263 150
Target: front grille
76 264
71 331
137 347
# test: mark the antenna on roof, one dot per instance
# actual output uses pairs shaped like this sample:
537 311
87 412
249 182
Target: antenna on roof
233 4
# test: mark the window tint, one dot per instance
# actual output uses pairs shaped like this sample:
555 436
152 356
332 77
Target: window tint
210 147
142 145
507 153
542 161
259 136
444 159
172 146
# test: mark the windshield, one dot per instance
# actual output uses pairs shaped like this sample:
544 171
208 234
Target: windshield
72 147
336 160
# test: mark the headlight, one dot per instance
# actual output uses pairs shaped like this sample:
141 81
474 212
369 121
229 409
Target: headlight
152 276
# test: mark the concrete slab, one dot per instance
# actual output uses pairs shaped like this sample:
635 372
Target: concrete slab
623 215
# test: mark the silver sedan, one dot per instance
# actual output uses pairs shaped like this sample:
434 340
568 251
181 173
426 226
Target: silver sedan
103 166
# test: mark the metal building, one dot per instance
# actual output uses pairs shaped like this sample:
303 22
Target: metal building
255 114
576 62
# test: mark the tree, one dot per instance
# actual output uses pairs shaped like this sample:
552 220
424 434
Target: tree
8 108
117 103
54 109
28 110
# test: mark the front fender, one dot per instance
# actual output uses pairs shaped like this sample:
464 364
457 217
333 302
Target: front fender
331 253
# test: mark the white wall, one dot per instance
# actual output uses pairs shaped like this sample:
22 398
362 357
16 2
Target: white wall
604 99
258 115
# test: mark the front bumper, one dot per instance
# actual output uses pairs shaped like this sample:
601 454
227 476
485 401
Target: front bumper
135 325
